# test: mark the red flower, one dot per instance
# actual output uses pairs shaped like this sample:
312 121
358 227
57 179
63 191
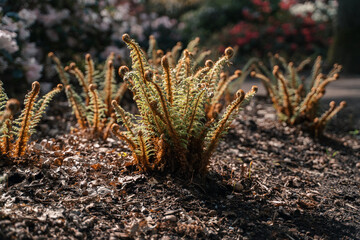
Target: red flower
286 4
293 46
271 29
280 39
241 41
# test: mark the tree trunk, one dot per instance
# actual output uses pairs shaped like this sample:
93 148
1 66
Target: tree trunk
345 48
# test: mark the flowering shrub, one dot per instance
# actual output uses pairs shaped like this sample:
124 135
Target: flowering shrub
288 27
259 26
70 28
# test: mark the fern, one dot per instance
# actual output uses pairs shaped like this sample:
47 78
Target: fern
172 131
92 108
15 134
294 101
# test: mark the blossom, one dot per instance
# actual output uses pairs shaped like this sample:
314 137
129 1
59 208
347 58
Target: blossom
286 4
7 41
32 70
53 16
302 9
28 16
29 50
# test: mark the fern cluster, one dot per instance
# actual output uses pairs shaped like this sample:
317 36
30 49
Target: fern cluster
15 133
92 108
172 130
296 99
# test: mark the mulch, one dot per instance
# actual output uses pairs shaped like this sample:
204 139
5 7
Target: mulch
266 181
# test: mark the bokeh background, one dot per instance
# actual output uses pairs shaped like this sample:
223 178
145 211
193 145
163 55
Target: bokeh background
296 29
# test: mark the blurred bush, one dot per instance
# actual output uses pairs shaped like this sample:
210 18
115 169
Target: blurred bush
71 28
291 27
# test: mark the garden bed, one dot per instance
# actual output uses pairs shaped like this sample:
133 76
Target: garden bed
266 181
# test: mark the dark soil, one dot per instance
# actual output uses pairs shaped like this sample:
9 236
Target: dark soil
266 181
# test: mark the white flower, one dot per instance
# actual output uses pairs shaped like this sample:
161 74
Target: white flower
302 9
23 32
9 24
163 21
29 50
7 41
121 12
28 16
318 10
53 16
32 70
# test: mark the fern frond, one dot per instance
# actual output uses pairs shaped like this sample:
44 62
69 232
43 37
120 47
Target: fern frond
6 137
152 49
195 107
215 71
3 97
139 62
288 108
41 105
316 70
90 69
64 77
144 157
221 127
175 53
109 86
184 67
124 116
23 134
97 110
77 106
73 69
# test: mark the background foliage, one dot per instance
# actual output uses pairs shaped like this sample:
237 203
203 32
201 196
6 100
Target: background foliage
31 29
